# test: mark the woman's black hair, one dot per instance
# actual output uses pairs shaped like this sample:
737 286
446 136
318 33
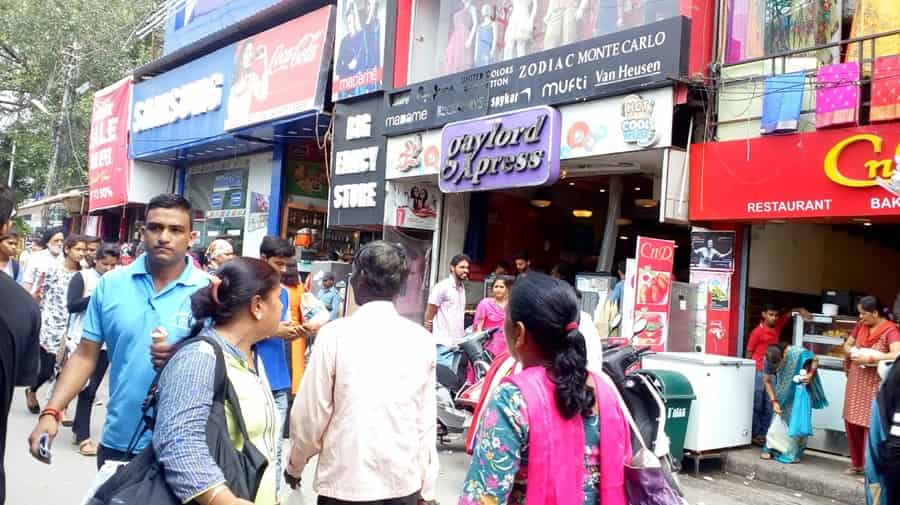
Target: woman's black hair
291 277
775 353
507 281
72 241
242 279
872 304
546 307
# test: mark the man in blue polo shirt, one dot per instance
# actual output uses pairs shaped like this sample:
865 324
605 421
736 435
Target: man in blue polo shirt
128 304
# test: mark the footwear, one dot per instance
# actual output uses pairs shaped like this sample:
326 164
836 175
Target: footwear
87 448
760 441
854 471
32 402
766 456
66 422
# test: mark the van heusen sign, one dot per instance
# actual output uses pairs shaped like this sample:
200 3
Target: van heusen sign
841 173
514 150
634 59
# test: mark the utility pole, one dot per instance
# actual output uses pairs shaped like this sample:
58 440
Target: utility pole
57 133
12 164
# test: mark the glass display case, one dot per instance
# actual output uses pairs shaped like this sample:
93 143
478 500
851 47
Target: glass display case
450 36
825 336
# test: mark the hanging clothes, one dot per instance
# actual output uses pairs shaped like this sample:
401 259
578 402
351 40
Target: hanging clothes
885 89
837 95
871 17
782 102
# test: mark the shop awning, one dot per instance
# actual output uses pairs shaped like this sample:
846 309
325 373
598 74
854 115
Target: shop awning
74 200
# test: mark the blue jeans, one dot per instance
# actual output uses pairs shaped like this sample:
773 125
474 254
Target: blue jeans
281 403
762 409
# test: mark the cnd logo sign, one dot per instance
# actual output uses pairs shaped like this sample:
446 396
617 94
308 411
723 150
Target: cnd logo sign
663 253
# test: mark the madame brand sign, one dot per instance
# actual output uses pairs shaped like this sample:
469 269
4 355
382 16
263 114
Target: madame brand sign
514 150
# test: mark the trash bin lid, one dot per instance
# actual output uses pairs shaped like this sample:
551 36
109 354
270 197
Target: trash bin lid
673 385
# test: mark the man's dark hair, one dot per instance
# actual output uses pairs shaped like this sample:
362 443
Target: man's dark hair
328 276
769 306
48 235
276 247
169 201
521 255
7 203
108 250
621 266
90 239
384 267
73 240
459 258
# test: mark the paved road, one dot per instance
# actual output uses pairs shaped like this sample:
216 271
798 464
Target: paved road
64 483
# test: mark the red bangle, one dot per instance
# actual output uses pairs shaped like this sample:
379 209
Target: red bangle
50 411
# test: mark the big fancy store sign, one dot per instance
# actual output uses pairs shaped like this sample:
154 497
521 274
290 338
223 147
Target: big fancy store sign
844 173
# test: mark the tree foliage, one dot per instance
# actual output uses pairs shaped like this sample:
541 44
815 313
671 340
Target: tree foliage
42 42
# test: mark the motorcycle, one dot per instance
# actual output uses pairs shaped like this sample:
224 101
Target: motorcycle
456 397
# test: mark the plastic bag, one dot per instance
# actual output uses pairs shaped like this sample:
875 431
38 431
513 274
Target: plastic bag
801 414
314 311
295 497
106 471
777 437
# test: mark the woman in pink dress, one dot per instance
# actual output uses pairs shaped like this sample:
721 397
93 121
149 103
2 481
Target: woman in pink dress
491 313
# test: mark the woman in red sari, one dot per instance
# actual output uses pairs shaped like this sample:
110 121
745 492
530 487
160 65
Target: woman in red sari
874 339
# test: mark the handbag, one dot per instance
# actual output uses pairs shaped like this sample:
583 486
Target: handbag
647 480
142 481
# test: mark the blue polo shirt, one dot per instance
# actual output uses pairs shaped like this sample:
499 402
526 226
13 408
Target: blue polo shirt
271 352
122 313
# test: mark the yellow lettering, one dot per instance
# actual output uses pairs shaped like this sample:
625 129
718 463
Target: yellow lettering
831 161
885 165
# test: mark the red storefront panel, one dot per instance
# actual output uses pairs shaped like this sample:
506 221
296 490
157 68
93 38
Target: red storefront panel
841 173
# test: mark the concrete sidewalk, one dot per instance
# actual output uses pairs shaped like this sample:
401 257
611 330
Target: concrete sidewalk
817 474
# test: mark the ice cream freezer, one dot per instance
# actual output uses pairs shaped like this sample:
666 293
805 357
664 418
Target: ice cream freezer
722 415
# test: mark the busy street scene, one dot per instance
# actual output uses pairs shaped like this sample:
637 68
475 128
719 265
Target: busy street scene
473 252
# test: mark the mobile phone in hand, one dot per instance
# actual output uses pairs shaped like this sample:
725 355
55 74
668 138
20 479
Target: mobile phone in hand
44 447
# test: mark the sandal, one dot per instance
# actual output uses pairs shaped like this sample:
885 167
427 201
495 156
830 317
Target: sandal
854 471
87 448
67 422
31 401
765 456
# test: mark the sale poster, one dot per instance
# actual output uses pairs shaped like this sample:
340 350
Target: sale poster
655 260
108 162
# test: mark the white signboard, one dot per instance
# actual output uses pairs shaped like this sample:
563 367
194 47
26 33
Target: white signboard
415 155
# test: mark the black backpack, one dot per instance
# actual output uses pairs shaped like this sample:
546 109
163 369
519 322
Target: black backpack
142 481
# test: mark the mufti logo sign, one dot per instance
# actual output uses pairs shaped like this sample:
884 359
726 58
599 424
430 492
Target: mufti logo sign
514 150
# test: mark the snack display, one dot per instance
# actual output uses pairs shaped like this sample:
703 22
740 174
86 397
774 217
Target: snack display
653 287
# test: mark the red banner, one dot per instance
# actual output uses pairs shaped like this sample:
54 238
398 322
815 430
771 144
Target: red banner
840 173
655 259
108 163
279 72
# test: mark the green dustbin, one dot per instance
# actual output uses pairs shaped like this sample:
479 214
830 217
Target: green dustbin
677 393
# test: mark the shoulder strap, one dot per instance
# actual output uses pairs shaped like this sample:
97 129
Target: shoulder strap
15 269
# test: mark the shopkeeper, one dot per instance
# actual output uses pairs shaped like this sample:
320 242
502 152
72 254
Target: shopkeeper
874 339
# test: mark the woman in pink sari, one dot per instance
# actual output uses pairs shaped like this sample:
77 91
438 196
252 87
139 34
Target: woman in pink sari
541 440
490 314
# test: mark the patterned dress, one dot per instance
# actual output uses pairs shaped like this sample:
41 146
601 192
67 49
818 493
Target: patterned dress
54 308
863 383
498 471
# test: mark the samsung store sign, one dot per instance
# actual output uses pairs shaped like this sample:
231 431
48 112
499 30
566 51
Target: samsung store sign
190 100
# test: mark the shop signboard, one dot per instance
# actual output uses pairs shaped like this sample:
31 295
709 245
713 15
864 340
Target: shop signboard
515 150
192 20
412 205
359 50
618 124
280 72
413 155
712 250
840 173
655 260
357 189
640 58
108 163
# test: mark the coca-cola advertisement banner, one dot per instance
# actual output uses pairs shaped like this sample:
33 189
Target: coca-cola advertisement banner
108 163
655 259
279 72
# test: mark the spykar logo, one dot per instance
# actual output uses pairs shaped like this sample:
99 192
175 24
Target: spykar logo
882 172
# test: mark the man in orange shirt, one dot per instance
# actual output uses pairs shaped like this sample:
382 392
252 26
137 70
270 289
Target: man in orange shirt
767 333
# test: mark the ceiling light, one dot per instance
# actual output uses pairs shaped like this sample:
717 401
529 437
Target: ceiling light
584 213
637 189
860 220
571 184
867 224
541 199
647 203
623 237
541 204
602 190
623 221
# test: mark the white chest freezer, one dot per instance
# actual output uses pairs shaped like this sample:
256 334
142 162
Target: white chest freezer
722 415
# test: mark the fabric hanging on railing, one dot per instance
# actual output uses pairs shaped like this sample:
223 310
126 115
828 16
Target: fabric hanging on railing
885 89
837 95
873 17
782 102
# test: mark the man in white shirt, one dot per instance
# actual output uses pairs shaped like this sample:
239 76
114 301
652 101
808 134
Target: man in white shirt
367 405
446 312
42 262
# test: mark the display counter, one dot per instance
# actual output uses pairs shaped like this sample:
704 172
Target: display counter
825 336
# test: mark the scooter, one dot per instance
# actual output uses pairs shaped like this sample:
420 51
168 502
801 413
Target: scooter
456 397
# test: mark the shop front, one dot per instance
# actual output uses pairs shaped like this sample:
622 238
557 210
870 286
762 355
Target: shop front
822 213
241 128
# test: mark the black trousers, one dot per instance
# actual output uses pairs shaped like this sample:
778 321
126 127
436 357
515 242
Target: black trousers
82 424
7 385
409 500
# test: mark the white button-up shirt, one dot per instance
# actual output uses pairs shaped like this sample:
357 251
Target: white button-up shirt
449 296
367 407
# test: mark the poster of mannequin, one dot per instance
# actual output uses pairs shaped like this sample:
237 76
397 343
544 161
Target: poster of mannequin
359 56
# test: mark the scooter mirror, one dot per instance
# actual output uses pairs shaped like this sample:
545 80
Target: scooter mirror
639 326
616 321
